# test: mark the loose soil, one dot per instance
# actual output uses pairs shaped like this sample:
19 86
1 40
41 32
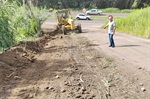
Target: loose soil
64 67
77 66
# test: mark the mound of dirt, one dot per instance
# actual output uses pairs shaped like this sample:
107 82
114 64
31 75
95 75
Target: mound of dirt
18 57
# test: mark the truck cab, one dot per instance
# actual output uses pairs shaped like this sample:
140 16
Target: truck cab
93 12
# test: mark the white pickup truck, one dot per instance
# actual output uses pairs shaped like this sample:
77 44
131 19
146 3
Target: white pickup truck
94 12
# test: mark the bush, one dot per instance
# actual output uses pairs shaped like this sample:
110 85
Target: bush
111 10
136 23
18 23
116 10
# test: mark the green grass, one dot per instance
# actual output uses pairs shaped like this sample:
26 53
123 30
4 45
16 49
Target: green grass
98 17
116 10
126 11
18 24
137 23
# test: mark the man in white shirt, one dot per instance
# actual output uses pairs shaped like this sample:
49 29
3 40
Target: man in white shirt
111 30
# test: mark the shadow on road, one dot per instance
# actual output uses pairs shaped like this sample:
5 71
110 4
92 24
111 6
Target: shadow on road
93 45
103 14
85 31
128 45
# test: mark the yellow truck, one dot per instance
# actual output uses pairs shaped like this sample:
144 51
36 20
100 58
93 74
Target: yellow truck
65 22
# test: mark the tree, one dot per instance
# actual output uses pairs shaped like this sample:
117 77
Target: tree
59 4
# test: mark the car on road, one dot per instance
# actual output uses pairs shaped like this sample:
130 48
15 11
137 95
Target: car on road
93 12
83 17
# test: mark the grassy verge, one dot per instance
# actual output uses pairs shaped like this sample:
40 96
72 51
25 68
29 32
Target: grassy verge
137 23
98 17
116 10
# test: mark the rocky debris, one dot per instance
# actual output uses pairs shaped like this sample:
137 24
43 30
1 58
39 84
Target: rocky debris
86 92
78 84
47 88
143 89
24 54
141 84
31 96
92 97
139 67
63 90
29 55
51 88
57 76
66 83
78 89
76 68
34 52
78 96
32 59
61 37
83 89
3 88
46 44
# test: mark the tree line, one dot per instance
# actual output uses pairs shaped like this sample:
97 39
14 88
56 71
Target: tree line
78 4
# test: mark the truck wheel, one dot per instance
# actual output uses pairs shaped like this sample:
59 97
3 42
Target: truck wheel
87 18
64 30
78 18
79 28
55 27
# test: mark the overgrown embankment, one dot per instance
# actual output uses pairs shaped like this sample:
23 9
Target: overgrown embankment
137 23
18 23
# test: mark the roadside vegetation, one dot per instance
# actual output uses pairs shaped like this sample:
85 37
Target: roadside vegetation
116 10
136 23
99 4
18 23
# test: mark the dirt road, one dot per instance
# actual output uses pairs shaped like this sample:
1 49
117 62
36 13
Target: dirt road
129 48
77 66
